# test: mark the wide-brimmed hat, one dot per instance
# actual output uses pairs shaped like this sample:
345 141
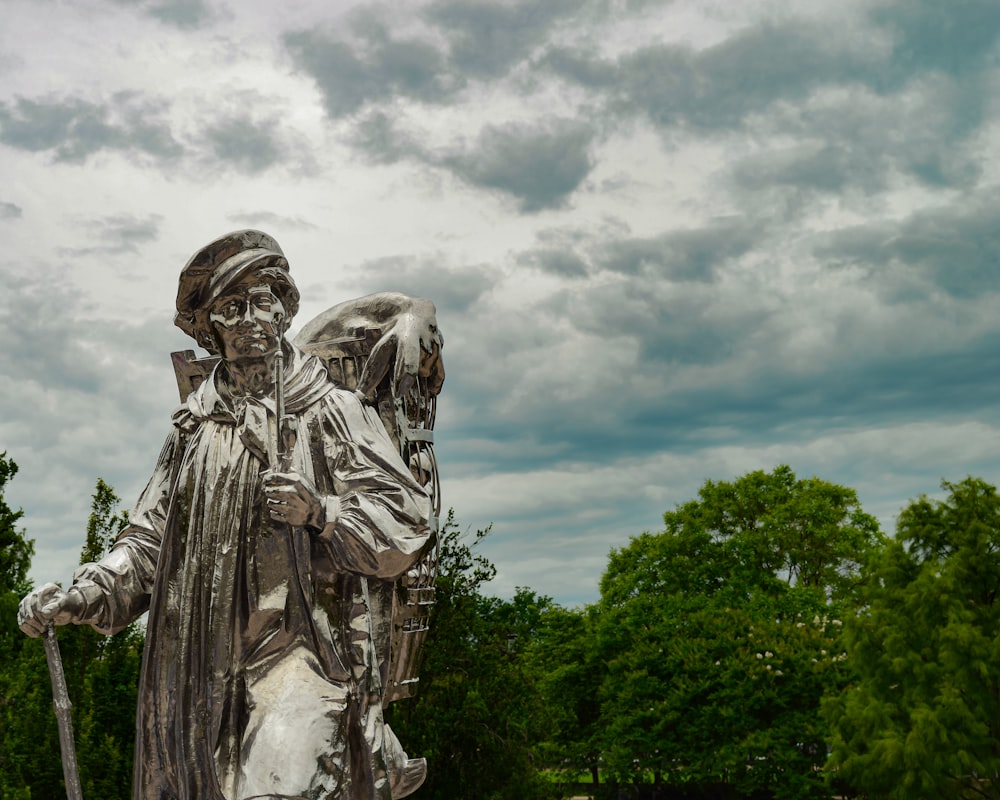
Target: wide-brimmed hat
222 263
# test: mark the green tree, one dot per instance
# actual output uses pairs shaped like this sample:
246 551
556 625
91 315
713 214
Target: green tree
15 550
923 718
105 672
104 524
101 674
16 743
722 633
762 532
477 715
568 669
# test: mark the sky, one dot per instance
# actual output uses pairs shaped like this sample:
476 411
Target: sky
668 240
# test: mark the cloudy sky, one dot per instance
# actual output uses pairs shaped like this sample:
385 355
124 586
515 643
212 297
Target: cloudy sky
668 240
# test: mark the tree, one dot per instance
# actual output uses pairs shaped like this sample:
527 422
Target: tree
105 672
568 669
923 718
104 524
477 715
15 550
721 635
15 560
101 674
807 533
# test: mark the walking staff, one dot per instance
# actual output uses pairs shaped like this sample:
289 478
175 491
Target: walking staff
63 706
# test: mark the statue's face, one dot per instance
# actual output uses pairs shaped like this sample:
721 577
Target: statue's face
247 319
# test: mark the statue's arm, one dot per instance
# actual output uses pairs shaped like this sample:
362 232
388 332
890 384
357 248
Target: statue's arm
113 592
376 523
118 587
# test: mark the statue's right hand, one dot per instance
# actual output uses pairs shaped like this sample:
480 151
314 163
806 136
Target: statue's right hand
48 605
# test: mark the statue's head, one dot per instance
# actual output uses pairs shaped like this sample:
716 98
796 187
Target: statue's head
228 276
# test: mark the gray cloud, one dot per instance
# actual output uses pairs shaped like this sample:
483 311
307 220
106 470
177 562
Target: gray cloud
269 220
556 261
249 145
487 38
454 289
901 97
928 35
953 248
367 64
183 14
822 166
539 164
10 210
382 141
677 255
351 75
719 86
120 233
912 58
691 255
695 332
82 398
602 359
671 323
665 368
75 129
861 140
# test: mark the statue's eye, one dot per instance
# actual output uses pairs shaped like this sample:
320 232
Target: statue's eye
229 309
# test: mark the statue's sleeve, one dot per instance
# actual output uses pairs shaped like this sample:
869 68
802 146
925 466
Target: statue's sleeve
377 517
117 588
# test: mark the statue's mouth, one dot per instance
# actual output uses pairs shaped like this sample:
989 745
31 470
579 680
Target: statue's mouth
253 338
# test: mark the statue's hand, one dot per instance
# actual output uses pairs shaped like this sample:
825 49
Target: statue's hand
49 605
293 500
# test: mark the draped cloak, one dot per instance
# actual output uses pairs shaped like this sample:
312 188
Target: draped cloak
260 676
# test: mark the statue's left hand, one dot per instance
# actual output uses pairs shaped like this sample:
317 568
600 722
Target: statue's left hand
293 500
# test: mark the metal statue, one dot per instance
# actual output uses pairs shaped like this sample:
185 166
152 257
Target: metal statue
284 547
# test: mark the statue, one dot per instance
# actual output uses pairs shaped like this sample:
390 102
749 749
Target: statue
284 546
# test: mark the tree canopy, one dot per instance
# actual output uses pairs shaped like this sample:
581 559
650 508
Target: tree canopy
15 550
477 716
721 634
768 625
101 675
15 560
923 718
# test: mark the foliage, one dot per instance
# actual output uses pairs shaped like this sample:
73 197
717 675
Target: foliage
101 675
104 524
566 664
477 713
15 550
761 528
721 635
703 666
103 672
15 560
923 719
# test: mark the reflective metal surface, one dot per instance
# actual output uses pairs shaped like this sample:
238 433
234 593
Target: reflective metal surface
271 583
64 715
387 347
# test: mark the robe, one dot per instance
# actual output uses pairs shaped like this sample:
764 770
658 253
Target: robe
260 675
